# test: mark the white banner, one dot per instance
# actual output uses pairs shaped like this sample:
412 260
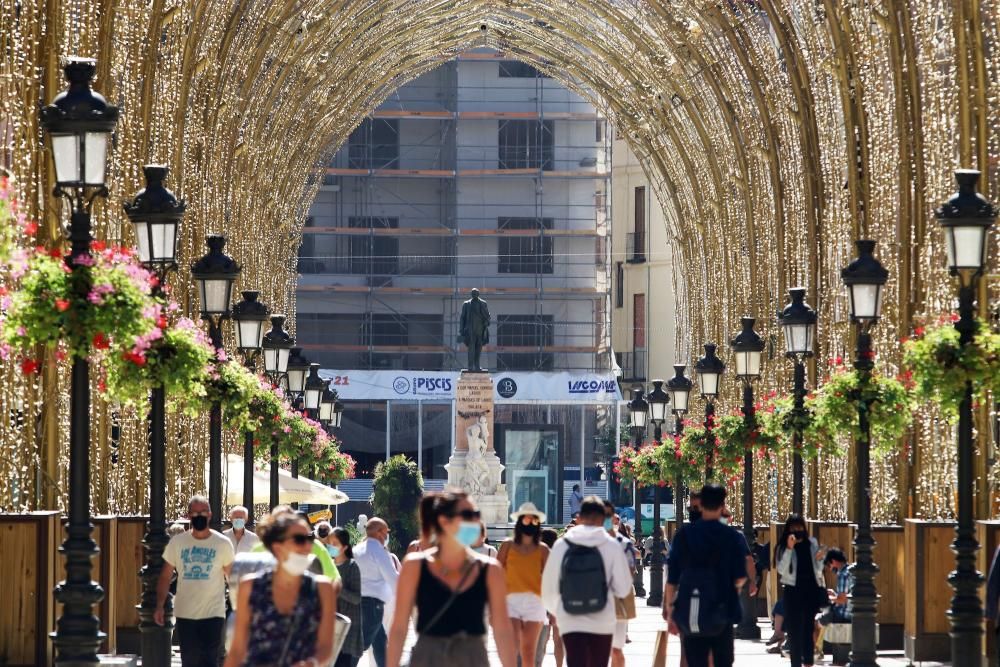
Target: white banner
512 387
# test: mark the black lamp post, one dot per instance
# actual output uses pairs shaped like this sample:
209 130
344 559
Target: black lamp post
864 278
639 411
748 347
966 219
298 371
679 387
313 391
250 315
78 124
710 369
215 274
277 344
155 214
658 400
798 321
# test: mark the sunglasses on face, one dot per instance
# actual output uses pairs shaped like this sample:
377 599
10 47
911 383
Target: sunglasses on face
466 515
530 520
300 539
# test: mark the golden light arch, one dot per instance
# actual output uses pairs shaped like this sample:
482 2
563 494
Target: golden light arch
775 132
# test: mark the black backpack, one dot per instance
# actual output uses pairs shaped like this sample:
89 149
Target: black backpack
700 607
582 581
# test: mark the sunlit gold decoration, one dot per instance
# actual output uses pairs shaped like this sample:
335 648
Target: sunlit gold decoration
773 138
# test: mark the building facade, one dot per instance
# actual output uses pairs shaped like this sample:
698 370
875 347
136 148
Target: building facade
643 323
482 173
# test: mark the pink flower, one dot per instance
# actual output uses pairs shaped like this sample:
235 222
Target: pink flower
82 260
220 354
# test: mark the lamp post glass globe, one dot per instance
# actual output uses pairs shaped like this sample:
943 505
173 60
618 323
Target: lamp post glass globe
658 400
679 387
155 214
314 388
327 400
79 123
215 274
338 414
748 346
864 278
710 369
250 315
296 371
798 323
966 220
639 409
277 343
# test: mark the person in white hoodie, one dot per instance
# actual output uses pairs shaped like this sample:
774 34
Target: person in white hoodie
587 636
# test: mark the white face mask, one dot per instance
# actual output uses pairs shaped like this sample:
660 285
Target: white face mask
296 564
724 520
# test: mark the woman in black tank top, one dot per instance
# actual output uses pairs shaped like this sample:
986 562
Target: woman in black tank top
451 586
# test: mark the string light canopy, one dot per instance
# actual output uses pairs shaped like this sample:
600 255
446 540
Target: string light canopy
155 214
215 274
748 347
277 344
798 323
865 277
250 315
679 388
709 369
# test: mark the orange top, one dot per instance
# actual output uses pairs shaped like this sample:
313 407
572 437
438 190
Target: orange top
524 571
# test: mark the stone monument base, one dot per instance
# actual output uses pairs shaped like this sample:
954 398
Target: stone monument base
494 507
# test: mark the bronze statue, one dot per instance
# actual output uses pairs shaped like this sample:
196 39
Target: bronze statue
474 328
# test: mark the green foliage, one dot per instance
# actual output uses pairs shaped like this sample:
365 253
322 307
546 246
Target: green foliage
178 360
779 420
940 367
396 491
836 404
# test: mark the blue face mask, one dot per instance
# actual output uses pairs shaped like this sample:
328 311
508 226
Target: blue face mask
608 523
468 533
333 551
238 524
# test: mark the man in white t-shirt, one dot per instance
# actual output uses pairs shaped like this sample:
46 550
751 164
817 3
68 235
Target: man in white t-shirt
202 558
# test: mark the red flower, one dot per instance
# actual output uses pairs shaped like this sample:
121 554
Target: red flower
102 386
136 358
62 305
55 253
919 331
161 322
839 361
100 341
99 246
29 366
31 228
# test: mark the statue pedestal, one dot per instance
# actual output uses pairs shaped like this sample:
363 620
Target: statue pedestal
474 465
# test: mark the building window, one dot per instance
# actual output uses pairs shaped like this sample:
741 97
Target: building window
515 69
639 321
524 254
374 254
635 242
526 144
374 145
619 285
524 331
599 130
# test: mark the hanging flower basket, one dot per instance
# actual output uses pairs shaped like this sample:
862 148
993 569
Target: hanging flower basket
736 437
940 368
777 418
177 358
703 451
105 304
836 404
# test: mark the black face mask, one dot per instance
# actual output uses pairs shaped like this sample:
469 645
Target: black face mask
199 522
694 514
801 535
529 529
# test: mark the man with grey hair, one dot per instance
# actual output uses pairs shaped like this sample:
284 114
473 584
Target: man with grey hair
202 559
243 539
378 585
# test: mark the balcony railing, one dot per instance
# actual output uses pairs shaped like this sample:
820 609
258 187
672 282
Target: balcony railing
633 365
635 248
404 265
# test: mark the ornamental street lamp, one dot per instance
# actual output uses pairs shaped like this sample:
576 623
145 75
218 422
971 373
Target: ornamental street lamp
658 400
679 387
155 214
966 219
710 369
639 411
313 390
250 315
748 348
215 274
277 343
79 123
296 374
798 322
864 278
